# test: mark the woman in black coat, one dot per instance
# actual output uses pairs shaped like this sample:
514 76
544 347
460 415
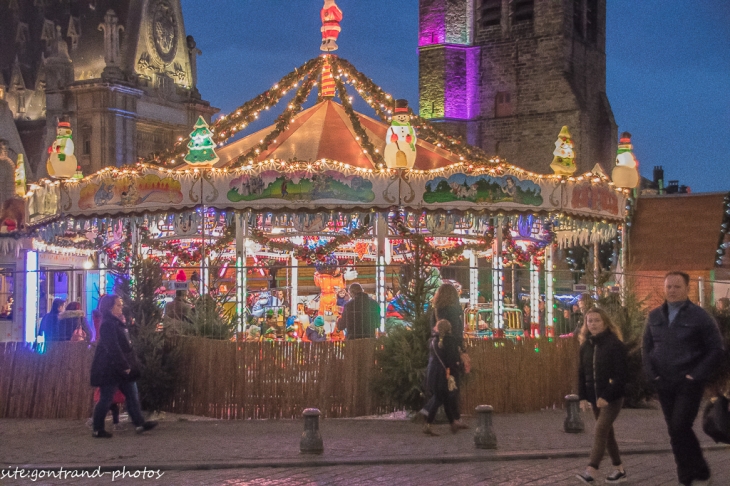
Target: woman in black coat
601 381
443 362
446 305
115 366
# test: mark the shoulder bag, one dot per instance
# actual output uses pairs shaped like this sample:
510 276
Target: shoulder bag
716 419
450 381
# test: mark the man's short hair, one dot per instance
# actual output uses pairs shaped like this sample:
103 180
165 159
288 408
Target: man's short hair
684 276
355 288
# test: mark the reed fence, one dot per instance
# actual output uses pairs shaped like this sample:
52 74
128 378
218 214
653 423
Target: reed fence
270 380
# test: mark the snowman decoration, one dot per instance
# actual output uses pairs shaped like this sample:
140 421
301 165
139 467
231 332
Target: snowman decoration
61 159
625 173
564 161
400 139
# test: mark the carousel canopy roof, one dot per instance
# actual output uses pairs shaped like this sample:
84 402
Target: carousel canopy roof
325 131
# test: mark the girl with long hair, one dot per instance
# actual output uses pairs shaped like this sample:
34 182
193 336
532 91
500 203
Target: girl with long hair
441 375
602 381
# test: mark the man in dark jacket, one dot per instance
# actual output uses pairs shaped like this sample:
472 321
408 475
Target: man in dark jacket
360 316
682 345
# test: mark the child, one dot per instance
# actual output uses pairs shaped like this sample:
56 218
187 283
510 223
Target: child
118 399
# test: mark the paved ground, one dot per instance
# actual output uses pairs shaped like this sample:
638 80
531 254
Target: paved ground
532 449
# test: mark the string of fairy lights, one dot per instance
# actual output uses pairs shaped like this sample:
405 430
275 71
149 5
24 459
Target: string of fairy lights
472 159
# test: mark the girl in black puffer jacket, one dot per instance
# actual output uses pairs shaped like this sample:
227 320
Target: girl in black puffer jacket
601 381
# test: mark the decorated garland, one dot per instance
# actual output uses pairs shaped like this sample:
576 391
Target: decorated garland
311 256
283 121
227 126
191 255
364 140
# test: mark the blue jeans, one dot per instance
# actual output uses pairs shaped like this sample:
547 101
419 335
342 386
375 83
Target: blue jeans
106 396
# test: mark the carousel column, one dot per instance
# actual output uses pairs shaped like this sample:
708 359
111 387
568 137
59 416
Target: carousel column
549 292
535 299
381 232
596 258
497 279
473 279
241 233
294 284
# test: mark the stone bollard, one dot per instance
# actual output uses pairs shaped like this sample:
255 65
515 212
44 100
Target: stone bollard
311 442
573 422
484 436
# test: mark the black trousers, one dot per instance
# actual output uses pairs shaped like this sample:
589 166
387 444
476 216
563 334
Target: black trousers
680 404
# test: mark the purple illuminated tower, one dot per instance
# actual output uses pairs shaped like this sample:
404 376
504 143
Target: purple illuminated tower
508 74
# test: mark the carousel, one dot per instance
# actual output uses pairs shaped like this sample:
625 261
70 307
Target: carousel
276 223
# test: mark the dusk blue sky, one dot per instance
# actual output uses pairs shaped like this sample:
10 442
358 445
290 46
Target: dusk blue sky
668 65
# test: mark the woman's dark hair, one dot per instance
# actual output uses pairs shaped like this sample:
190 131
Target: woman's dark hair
445 296
73 306
56 306
106 304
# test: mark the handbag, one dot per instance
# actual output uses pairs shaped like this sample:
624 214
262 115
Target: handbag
450 380
716 419
79 334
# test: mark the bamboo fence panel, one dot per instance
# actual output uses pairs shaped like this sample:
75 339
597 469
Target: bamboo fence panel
269 380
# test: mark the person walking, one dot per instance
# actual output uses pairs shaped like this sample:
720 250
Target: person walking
682 346
115 366
446 305
601 381
49 324
441 376
360 316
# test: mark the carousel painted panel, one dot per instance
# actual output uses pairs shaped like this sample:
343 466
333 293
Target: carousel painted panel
128 191
594 199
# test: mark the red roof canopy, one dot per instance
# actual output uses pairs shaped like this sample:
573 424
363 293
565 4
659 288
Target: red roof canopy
324 131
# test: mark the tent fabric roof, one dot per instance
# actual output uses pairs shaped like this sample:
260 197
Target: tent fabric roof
324 131
677 232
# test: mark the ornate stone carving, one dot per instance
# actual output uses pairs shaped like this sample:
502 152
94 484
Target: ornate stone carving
111 30
162 31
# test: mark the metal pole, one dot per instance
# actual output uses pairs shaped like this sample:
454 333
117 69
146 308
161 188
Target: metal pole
294 284
701 290
381 232
241 277
497 278
473 279
549 291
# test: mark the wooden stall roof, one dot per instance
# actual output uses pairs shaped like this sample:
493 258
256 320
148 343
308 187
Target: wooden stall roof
677 232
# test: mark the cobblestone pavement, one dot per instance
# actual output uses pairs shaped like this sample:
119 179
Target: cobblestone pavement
643 469
69 442
532 449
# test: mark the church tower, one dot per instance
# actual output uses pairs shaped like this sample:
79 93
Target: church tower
508 74
123 72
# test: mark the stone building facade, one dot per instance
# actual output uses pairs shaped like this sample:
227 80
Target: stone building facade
508 74
122 72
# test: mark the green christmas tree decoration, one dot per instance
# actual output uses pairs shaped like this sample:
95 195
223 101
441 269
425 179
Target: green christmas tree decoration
201 147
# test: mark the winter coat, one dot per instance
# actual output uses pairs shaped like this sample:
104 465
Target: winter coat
455 315
50 329
114 354
360 317
69 320
315 336
691 345
436 380
602 371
